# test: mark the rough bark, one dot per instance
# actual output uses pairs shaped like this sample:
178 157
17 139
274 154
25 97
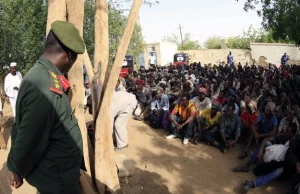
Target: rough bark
88 66
75 15
57 10
106 171
101 38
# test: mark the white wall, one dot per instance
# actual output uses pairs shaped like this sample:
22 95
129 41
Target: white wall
216 56
264 53
167 51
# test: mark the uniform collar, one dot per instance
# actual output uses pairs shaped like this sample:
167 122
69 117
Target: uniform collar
47 63
52 68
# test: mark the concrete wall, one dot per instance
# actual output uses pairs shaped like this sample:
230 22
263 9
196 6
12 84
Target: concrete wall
167 51
149 48
264 53
216 56
164 53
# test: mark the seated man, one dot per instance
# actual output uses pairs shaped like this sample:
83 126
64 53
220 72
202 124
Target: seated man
230 128
159 110
201 101
266 124
208 121
287 121
144 98
229 131
273 169
182 119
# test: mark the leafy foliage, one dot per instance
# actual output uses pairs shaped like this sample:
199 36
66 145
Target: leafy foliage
22 29
188 43
243 41
282 16
116 24
23 26
213 43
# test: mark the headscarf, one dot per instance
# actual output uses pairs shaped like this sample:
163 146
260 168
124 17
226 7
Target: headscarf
201 90
140 82
253 106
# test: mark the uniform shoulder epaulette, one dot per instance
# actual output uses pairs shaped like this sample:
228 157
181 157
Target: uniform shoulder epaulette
55 85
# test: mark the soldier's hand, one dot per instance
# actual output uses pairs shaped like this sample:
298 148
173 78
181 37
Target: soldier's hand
16 180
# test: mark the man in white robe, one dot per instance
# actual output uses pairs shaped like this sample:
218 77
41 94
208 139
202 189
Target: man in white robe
12 84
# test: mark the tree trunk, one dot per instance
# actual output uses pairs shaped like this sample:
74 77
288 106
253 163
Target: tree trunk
106 171
57 10
75 15
101 38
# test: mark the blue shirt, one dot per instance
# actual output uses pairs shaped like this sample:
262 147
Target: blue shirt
230 126
266 125
284 59
158 104
230 59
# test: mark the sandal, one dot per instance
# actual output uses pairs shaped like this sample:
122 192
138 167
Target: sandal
122 148
243 155
241 169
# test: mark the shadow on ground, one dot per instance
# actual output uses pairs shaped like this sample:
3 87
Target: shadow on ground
4 180
143 182
197 169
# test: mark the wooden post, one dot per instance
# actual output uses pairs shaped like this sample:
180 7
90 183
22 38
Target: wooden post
101 38
75 13
57 10
88 67
106 172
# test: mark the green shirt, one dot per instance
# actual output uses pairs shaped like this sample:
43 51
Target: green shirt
45 134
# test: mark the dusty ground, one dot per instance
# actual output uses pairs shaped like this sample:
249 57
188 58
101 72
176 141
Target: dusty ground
164 167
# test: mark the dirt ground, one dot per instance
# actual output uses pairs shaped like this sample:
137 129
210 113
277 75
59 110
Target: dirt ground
164 167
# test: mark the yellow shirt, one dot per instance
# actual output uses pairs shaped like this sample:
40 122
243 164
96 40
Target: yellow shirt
205 114
183 112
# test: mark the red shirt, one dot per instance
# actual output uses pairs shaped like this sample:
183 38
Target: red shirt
248 118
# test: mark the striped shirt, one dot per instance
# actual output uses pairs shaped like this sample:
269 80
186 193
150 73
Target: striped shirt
184 112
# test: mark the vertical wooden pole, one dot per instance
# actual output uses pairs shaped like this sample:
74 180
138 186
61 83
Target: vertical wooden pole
106 172
75 15
57 10
101 38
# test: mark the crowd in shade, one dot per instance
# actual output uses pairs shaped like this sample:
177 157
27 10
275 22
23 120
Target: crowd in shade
225 105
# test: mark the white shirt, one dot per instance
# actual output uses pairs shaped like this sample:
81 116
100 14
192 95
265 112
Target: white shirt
205 104
10 82
152 59
120 101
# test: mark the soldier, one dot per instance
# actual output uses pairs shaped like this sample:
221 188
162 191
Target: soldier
46 140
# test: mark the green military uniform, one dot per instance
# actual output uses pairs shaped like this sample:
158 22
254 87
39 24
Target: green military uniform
46 140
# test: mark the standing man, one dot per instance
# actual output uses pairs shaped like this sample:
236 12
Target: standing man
230 59
152 61
12 84
284 59
121 108
46 147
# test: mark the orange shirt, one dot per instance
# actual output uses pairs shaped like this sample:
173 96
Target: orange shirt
183 112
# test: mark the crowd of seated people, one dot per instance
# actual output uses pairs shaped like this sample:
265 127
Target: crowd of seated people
221 104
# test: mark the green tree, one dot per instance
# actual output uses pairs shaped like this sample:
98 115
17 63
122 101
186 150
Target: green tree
188 43
22 29
213 43
116 24
282 16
